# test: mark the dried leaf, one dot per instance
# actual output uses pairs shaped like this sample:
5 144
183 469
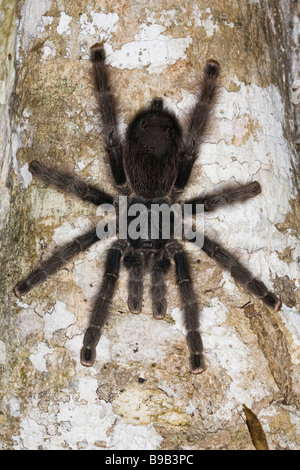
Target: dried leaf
255 429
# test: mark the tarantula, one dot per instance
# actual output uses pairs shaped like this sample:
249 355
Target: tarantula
153 163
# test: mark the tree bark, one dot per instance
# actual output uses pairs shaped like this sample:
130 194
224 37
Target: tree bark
140 393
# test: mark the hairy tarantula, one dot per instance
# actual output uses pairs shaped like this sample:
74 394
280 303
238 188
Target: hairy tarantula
152 164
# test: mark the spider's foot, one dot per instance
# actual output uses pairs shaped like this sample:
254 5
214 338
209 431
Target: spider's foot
278 306
254 188
17 292
196 363
21 288
272 301
159 310
212 68
97 53
35 167
87 356
90 341
134 305
195 346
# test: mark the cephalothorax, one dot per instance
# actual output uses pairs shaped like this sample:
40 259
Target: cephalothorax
153 163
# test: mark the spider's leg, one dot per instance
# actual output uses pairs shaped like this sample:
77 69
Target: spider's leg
71 183
100 310
190 306
230 194
51 265
134 264
240 273
158 287
108 108
198 121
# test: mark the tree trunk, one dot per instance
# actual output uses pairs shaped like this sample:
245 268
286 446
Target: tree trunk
140 393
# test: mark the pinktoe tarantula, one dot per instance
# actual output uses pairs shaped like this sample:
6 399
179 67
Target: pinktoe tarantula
152 165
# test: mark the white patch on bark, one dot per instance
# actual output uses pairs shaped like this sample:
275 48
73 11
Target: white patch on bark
49 50
64 24
32 20
59 318
150 48
38 358
210 26
101 23
15 406
25 175
127 348
79 420
2 352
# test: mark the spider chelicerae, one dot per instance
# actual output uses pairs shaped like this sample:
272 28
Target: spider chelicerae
151 164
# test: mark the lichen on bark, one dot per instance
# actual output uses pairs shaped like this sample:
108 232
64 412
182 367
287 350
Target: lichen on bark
140 394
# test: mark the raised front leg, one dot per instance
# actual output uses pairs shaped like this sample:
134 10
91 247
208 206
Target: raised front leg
70 183
190 307
230 194
198 121
100 310
108 108
51 265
